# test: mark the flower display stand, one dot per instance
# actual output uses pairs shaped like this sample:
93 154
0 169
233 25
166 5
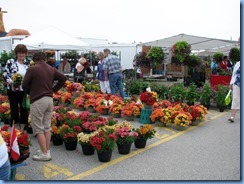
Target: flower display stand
145 116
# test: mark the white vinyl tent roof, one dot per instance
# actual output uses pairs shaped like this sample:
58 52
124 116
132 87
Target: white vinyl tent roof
53 39
197 43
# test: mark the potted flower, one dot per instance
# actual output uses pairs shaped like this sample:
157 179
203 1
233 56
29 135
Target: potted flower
17 80
181 119
115 107
205 95
180 52
104 142
84 140
91 123
155 56
125 137
79 103
198 114
66 98
148 98
161 116
56 138
145 132
221 93
111 121
102 105
23 142
130 110
191 95
69 136
5 112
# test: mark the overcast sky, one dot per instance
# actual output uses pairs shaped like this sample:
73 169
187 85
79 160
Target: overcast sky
126 20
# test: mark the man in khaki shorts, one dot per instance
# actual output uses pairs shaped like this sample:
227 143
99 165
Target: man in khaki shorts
38 83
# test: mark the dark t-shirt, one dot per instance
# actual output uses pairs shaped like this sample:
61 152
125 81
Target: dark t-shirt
39 80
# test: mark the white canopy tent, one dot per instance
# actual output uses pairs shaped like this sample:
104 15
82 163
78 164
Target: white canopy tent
52 38
197 43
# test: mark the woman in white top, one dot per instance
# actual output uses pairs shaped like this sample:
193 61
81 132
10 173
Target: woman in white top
19 65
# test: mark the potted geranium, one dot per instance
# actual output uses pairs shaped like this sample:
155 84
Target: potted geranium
145 132
69 135
23 142
104 142
125 137
84 140
148 98
91 123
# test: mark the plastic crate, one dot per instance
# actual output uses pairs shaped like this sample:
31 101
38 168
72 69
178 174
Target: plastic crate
145 116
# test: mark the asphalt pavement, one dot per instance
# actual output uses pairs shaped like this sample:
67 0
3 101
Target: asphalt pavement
209 151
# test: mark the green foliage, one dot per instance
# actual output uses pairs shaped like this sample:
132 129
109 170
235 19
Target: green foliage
156 56
191 94
160 89
218 56
180 52
71 55
234 55
4 57
177 92
192 61
206 94
221 93
142 60
91 57
135 87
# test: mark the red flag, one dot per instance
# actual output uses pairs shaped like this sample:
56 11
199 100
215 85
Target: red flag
14 147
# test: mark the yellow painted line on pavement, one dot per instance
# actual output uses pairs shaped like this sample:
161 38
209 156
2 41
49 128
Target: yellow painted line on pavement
59 169
133 153
218 115
19 177
49 173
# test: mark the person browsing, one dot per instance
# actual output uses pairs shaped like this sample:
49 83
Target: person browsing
112 72
39 84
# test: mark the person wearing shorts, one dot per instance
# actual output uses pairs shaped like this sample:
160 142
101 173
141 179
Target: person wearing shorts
38 83
235 84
